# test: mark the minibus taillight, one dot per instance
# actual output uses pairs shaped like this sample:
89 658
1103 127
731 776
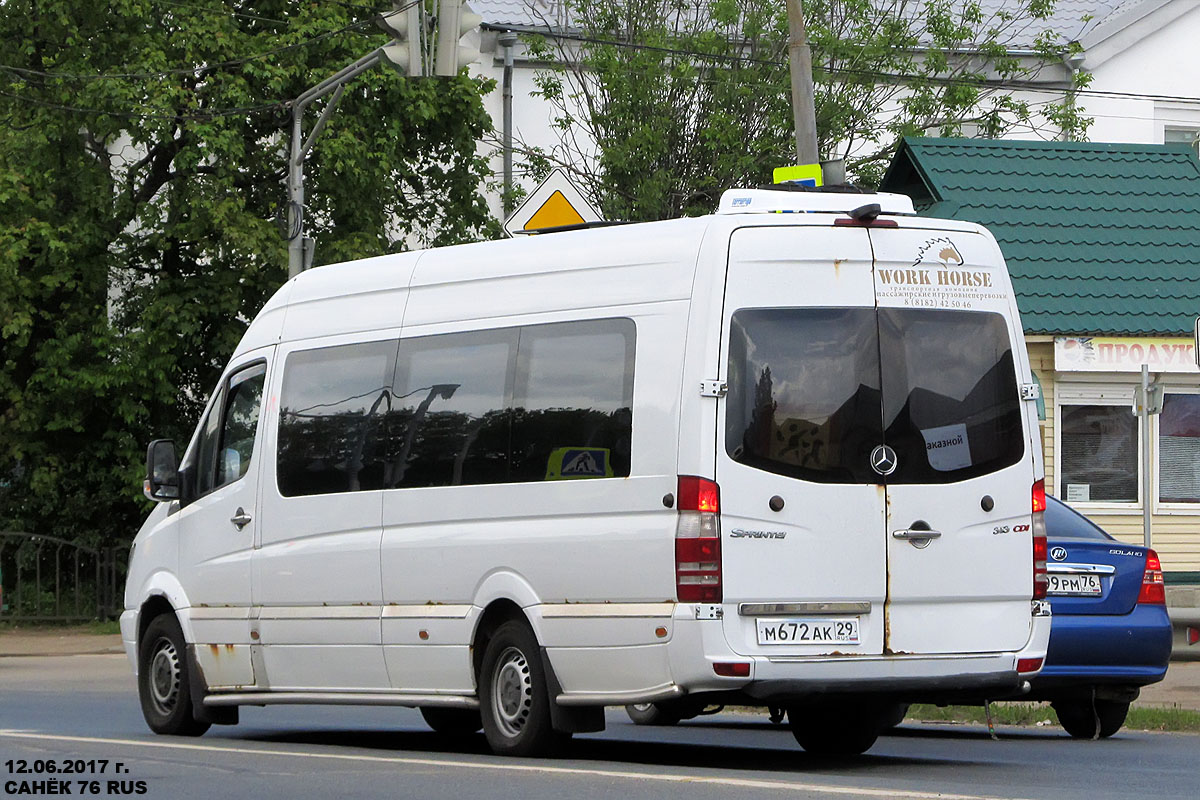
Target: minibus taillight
1153 589
698 541
1040 580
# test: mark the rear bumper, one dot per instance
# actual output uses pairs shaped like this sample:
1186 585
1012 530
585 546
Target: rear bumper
964 677
1130 649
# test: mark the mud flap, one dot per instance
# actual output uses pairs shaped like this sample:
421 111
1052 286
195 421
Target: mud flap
569 719
198 688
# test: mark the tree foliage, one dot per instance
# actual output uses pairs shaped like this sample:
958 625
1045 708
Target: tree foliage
142 165
662 104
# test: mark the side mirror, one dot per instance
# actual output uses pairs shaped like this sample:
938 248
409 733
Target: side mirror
162 471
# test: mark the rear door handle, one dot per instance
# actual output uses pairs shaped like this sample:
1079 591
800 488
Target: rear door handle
915 536
241 519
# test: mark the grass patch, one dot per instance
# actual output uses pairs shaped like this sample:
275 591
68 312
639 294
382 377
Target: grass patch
1141 718
97 627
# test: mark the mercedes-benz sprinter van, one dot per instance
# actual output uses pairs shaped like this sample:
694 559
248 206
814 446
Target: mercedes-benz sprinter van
784 455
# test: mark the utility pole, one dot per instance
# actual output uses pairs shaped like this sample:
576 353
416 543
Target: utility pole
804 109
507 40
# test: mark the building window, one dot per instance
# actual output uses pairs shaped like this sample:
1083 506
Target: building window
1188 136
1179 449
1098 454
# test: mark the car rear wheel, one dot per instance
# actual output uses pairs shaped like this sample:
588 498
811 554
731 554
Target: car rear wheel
452 721
651 714
1080 718
163 680
838 730
513 698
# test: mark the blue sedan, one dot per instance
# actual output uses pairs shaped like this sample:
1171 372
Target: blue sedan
1110 633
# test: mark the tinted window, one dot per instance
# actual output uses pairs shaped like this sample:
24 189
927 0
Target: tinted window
1064 522
573 401
202 467
804 392
331 417
245 390
449 418
951 408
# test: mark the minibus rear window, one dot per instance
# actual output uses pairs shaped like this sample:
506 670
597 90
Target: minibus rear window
805 397
804 392
950 401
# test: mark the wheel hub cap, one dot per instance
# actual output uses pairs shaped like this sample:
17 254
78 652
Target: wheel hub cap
512 692
164 677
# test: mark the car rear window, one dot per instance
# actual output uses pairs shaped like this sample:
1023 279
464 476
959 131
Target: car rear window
1064 522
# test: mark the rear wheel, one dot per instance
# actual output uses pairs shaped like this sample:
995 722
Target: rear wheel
651 714
453 721
1080 718
837 730
513 699
163 680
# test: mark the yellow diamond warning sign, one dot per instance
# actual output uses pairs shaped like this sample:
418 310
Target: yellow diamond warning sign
556 202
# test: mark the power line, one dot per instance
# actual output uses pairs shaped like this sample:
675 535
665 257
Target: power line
888 76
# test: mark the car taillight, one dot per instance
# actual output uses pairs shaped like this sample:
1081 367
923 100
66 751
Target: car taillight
1153 589
698 541
1041 581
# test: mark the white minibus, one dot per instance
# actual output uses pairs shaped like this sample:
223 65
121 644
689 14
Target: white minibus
784 455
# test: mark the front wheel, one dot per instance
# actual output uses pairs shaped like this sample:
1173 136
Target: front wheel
513 698
1080 718
163 680
837 730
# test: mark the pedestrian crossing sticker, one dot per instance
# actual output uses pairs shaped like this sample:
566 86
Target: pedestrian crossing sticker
572 463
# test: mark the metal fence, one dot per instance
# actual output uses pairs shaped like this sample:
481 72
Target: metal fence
48 579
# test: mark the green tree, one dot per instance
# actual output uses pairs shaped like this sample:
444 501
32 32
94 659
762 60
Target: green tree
663 104
142 165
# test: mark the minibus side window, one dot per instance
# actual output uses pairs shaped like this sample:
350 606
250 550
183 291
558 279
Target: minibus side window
573 401
245 390
448 424
331 419
201 466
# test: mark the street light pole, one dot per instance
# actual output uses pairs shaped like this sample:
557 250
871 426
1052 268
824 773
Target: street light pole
300 253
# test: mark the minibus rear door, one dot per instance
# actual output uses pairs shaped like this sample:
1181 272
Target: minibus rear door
803 515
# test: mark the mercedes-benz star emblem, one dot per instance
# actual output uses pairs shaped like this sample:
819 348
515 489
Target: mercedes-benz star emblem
1058 553
883 460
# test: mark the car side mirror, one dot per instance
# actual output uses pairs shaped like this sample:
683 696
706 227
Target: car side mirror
162 471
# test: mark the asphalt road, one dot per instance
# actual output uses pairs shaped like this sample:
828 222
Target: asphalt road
85 707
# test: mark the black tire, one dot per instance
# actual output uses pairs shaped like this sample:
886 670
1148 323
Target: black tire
651 714
837 730
1079 719
513 699
895 715
164 680
453 721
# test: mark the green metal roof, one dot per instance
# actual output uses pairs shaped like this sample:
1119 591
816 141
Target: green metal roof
1099 238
